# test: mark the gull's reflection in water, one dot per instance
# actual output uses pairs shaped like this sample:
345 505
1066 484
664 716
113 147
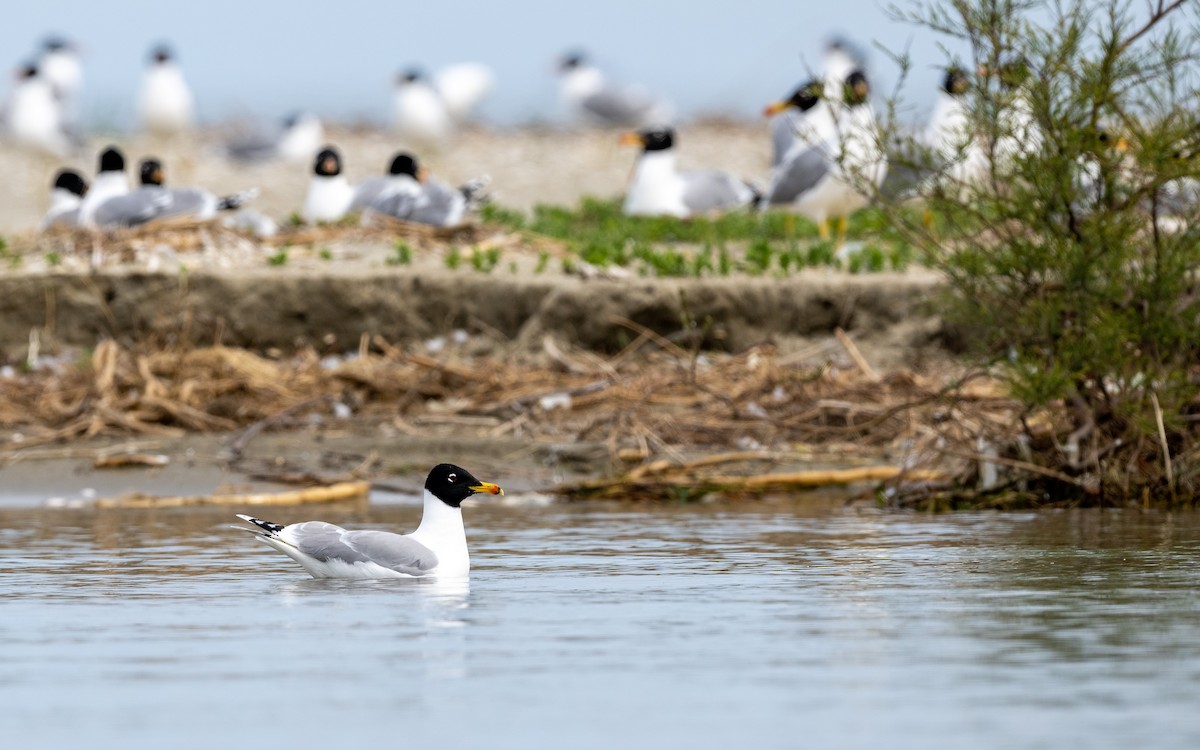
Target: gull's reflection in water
402 621
443 600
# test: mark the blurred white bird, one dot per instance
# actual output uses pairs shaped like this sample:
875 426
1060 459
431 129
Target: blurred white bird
110 182
34 117
62 67
153 201
588 94
832 178
330 195
660 189
840 58
420 115
408 193
165 105
295 141
462 86
66 194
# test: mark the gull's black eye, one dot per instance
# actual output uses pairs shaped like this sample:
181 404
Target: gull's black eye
453 477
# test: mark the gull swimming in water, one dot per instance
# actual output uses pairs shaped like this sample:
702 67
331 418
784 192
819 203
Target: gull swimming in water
409 194
66 194
165 105
660 189
588 94
437 548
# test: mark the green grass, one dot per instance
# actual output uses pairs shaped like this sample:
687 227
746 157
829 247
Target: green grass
401 254
280 258
597 232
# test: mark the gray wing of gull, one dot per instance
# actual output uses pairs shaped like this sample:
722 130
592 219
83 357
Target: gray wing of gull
133 208
619 106
400 205
325 542
797 175
440 204
710 190
783 135
367 192
191 201
253 146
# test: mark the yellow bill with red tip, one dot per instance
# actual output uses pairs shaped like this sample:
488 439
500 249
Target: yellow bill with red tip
487 488
775 108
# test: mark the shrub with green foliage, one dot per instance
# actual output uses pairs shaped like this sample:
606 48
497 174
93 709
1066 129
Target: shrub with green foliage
1071 263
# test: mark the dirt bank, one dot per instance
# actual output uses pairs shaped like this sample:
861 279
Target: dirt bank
287 308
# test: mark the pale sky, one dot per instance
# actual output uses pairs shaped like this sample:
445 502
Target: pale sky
265 58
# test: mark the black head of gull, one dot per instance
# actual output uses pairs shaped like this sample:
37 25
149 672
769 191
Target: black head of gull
328 163
404 164
805 97
956 82
452 484
571 60
150 172
857 88
111 160
27 72
71 181
57 44
651 139
411 75
161 53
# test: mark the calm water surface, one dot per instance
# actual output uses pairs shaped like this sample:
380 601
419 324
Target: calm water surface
602 627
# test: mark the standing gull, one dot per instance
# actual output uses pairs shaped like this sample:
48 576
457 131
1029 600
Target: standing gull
420 114
437 548
60 64
164 102
462 86
34 116
831 178
588 94
658 188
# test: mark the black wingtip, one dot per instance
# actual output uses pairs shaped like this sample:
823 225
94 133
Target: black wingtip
273 528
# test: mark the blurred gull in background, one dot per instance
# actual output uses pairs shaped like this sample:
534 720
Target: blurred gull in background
462 87
330 195
165 105
588 94
411 195
34 116
659 189
66 194
110 183
153 201
295 141
62 67
420 115
831 178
